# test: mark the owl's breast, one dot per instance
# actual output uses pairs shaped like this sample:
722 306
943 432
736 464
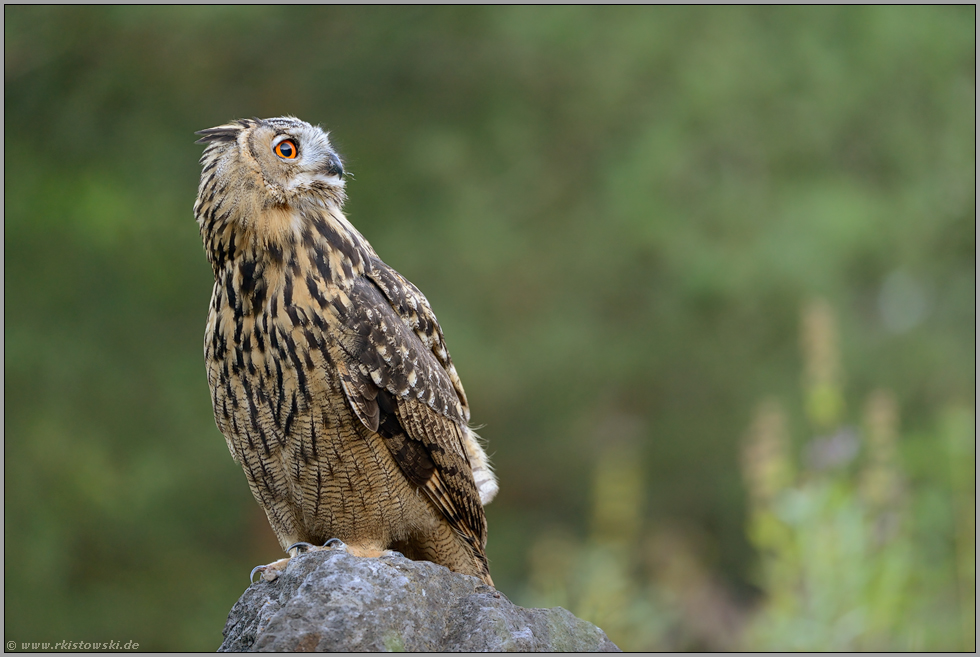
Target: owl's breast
309 460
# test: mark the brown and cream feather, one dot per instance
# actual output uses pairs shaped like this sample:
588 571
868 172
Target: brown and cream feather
329 373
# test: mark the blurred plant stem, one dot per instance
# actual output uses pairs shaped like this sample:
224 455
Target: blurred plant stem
881 477
959 427
617 493
823 397
595 580
765 458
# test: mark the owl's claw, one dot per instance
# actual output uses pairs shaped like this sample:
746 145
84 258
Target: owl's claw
269 571
302 544
335 544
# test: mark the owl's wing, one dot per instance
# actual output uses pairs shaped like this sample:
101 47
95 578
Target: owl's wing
398 386
414 309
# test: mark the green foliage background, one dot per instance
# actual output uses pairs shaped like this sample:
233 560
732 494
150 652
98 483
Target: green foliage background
617 214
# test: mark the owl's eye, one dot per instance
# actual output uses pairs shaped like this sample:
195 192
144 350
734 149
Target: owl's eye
286 149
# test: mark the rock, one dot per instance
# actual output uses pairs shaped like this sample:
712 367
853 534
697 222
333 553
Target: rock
331 601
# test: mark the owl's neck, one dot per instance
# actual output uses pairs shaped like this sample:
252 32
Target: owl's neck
266 251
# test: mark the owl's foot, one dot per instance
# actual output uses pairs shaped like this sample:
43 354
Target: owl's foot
356 549
270 571
303 547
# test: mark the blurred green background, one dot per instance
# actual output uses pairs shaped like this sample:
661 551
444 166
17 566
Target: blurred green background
707 274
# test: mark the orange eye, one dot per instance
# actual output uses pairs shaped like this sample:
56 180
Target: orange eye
286 149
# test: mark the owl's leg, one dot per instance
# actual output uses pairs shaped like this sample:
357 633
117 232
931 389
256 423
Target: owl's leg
332 544
270 572
365 548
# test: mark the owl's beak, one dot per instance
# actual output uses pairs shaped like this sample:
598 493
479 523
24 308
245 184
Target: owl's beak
333 167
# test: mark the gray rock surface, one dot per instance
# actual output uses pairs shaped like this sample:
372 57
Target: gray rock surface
330 600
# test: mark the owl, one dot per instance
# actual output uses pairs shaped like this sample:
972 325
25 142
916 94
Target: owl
329 373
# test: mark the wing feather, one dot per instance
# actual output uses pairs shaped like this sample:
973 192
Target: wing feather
398 386
452 488
414 309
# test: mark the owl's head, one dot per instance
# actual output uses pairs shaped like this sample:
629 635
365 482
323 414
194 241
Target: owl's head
283 159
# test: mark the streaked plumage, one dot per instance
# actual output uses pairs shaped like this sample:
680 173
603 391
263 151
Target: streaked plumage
329 374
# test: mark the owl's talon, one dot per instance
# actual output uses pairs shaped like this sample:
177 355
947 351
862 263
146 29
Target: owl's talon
269 572
302 544
392 553
335 544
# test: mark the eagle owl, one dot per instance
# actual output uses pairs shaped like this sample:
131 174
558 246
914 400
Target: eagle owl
329 374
